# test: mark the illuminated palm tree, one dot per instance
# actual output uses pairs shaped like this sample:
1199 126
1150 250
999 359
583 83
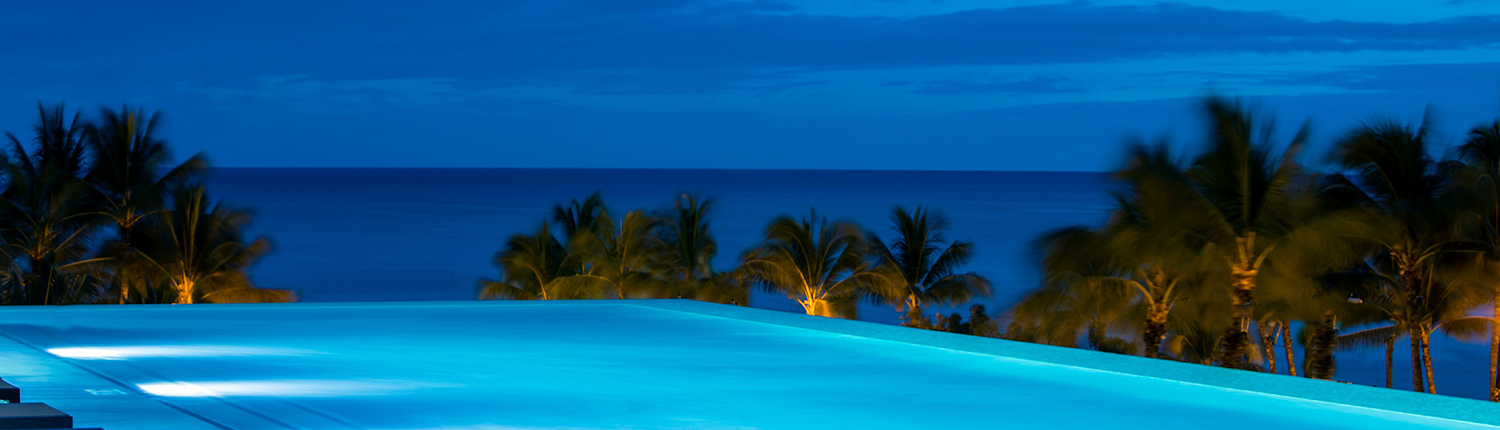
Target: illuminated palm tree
197 248
127 173
822 266
925 270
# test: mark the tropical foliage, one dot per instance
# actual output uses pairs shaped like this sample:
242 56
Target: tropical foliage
668 254
91 211
921 268
1393 246
827 266
1234 256
821 264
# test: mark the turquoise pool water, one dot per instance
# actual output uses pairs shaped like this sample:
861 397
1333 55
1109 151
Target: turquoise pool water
655 364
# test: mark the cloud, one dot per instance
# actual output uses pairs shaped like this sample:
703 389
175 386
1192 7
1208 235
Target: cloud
1467 78
1034 85
533 42
723 39
411 91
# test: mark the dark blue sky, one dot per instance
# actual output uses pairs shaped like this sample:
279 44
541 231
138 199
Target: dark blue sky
864 84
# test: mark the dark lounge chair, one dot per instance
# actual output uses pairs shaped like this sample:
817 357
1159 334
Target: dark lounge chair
32 416
9 393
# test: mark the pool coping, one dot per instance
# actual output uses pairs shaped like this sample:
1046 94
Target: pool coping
1351 395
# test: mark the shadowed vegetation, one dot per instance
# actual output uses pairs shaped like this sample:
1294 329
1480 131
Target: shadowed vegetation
921 269
1212 260
92 211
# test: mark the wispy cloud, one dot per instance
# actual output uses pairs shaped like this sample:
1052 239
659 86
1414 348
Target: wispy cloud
1035 85
409 92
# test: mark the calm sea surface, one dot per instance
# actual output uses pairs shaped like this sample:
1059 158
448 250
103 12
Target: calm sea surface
431 234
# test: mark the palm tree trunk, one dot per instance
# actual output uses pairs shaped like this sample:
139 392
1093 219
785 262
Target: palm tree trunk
43 284
1416 361
1320 354
1390 355
1156 330
1286 344
1268 344
1236 338
818 307
1495 349
184 291
913 314
1427 362
124 285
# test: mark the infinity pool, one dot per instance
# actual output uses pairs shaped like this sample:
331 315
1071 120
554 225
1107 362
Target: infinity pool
670 364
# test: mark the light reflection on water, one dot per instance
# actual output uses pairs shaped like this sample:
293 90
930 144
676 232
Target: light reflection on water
129 352
289 388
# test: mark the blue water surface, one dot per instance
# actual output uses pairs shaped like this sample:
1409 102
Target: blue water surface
610 366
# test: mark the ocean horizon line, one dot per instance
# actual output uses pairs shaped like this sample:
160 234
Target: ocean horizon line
713 169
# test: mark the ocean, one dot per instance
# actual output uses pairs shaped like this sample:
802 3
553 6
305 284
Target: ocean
431 234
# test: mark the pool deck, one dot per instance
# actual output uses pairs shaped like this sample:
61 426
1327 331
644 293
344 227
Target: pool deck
95 400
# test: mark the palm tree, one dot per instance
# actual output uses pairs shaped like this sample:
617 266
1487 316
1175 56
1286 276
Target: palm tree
822 266
692 248
198 248
1269 323
534 267
1320 347
923 268
578 218
1418 237
1378 298
126 172
1481 155
1084 271
45 211
627 255
1135 261
1241 207
1326 238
